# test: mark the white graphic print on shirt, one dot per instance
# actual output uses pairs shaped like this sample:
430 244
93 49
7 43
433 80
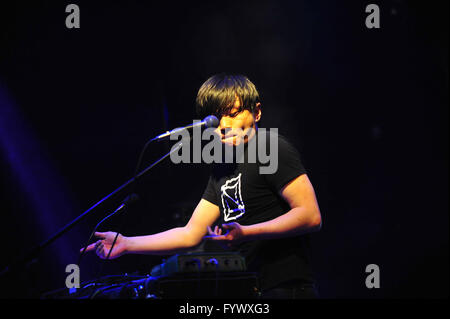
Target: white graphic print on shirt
233 206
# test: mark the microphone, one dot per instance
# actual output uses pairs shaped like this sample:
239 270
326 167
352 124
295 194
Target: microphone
209 121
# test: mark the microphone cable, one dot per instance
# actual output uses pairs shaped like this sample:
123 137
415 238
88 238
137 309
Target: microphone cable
210 121
132 197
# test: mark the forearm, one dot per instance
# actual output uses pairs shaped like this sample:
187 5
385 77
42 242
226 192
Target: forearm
297 221
168 242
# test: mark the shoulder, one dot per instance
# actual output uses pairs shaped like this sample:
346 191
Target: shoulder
272 136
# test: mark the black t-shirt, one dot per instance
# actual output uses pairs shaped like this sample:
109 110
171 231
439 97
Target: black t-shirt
247 197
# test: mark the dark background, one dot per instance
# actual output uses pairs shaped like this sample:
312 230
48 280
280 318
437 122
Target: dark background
367 108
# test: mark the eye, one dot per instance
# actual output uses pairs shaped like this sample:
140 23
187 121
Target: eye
231 112
235 112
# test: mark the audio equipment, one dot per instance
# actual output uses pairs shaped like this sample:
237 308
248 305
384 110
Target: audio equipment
189 275
200 262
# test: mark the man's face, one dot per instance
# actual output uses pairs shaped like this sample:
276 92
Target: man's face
237 127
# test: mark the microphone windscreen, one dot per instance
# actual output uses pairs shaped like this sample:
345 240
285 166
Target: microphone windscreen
211 121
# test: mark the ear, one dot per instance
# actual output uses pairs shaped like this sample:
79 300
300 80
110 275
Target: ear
257 112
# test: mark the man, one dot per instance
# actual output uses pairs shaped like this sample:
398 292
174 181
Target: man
265 217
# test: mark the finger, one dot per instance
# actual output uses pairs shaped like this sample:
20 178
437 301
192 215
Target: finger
100 251
228 226
100 235
209 230
99 247
220 231
89 248
216 229
216 237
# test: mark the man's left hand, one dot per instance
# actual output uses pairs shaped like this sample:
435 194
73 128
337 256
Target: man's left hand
234 234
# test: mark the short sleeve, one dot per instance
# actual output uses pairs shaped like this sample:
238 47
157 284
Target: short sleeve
289 165
210 194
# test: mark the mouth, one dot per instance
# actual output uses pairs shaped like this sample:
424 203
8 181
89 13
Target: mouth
228 137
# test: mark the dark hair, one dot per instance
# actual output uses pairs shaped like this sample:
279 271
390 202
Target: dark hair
218 94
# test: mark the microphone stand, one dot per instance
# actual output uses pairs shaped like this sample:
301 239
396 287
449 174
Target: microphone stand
36 251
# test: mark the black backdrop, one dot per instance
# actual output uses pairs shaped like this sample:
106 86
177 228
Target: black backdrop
367 108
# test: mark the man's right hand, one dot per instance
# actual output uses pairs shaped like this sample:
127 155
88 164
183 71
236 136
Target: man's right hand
103 245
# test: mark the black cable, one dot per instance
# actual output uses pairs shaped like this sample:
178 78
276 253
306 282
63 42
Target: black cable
92 234
130 198
133 186
94 292
107 258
